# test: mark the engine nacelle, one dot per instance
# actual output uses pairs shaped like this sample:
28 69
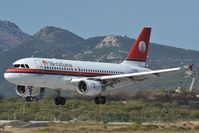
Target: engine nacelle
89 87
23 91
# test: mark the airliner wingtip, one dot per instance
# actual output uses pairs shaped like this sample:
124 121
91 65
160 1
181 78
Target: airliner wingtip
191 67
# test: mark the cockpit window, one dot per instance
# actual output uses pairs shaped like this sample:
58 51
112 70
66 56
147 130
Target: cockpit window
16 66
22 65
26 66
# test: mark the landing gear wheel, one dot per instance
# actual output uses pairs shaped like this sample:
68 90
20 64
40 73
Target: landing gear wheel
103 99
100 100
29 99
57 99
60 101
97 101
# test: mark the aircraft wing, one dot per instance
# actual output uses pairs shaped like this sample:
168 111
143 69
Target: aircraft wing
138 76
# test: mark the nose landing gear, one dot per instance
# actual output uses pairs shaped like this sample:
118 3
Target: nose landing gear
29 98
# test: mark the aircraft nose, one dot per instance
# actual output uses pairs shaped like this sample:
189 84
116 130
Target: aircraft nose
11 77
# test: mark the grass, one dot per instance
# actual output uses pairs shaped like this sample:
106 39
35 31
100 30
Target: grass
85 127
141 109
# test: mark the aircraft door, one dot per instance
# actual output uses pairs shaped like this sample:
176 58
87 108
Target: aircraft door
39 66
78 71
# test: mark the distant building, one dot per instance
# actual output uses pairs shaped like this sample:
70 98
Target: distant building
124 101
197 97
179 89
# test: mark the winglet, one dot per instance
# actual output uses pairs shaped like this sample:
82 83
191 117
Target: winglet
191 67
188 70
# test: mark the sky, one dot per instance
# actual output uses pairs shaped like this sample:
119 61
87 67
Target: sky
174 22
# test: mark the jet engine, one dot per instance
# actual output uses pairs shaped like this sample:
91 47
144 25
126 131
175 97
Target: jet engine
89 87
23 91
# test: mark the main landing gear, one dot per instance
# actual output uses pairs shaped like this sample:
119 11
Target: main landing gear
30 98
100 100
59 100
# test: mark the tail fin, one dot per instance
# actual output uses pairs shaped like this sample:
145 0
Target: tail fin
138 53
139 49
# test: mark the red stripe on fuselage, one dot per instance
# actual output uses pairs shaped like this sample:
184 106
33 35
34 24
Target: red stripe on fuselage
57 72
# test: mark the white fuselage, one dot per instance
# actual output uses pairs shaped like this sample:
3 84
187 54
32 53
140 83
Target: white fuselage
57 74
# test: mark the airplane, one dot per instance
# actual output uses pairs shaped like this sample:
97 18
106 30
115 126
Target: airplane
32 75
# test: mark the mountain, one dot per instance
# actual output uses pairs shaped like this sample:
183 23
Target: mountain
56 35
10 35
109 41
53 42
159 56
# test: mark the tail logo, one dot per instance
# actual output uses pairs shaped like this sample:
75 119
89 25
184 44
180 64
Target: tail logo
142 47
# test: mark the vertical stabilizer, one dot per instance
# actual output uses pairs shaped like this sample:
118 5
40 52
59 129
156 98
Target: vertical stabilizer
138 53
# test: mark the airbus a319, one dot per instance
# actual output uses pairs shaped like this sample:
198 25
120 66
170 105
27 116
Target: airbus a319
32 75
